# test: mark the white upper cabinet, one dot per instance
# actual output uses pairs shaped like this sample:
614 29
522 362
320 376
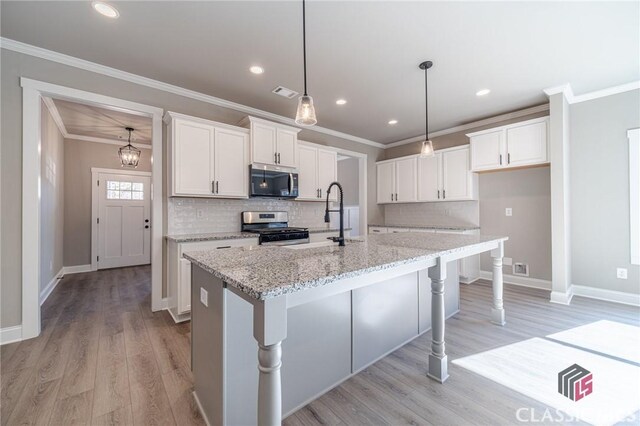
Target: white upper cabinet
207 159
527 144
406 180
386 182
192 154
514 145
272 143
398 180
327 173
308 188
230 163
446 176
486 150
429 178
316 170
457 178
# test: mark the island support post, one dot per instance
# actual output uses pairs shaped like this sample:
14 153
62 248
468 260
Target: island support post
497 312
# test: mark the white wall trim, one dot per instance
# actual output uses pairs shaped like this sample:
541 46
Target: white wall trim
46 292
76 269
634 195
32 93
60 58
574 99
10 334
474 124
562 298
55 114
518 280
606 295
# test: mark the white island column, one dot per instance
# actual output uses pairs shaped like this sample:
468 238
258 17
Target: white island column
270 329
437 357
497 312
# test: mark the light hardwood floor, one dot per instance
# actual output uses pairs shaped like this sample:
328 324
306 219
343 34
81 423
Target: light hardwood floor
105 358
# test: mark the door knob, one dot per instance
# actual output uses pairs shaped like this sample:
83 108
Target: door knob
146 227
146 221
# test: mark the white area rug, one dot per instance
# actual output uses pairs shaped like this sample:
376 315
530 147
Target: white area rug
531 368
607 337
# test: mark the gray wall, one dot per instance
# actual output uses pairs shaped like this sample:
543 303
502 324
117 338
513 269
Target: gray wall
348 177
79 158
52 199
455 213
527 192
16 65
599 177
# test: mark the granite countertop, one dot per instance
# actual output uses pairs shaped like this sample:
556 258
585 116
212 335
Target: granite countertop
264 272
449 227
190 238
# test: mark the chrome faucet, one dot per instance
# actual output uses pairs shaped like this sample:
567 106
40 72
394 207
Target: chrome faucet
340 238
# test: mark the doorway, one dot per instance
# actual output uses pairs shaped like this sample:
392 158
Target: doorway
123 221
34 92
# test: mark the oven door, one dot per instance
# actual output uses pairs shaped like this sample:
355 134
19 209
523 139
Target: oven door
274 182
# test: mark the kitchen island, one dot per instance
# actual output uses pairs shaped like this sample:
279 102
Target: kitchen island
324 312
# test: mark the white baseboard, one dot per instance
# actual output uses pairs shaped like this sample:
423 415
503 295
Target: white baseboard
607 295
10 334
518 280
562 298
44 294
76 269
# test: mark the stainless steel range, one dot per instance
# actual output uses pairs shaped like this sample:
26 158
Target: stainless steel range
273 228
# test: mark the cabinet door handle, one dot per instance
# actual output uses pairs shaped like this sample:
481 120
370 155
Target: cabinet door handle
223 247
438 194
278 158
444 195
508 158
275 157
392 196
213 186
501 159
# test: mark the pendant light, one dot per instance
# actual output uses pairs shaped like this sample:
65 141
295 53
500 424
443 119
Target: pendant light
306 114
427 145
264 183
129 154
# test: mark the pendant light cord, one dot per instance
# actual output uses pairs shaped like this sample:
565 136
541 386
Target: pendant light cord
304 46
426 105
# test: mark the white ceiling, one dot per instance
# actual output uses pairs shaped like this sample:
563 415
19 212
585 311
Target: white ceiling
365 52
89 120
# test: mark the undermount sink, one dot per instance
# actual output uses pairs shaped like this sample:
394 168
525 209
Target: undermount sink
319 244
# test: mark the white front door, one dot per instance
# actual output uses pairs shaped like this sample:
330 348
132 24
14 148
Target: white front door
124 220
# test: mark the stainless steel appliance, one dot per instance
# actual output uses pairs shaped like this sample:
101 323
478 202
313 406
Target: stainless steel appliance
273 182
273 228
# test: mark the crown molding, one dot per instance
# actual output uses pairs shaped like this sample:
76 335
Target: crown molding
61 58
474 124
55 114
104 140
574 99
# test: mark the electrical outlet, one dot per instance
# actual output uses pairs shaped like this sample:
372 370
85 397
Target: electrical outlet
199 213
204 297
507 261
447 212
621 273
508 211
521 269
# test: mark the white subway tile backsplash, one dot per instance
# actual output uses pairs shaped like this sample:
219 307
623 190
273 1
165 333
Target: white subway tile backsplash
456 213
204 215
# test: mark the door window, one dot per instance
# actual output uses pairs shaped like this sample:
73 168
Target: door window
118 190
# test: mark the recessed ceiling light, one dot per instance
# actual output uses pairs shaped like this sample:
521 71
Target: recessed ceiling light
105 9
341 101
392 122
483 92
256 69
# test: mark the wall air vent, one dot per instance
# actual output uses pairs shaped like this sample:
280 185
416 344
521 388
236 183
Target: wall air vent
521 269
283 91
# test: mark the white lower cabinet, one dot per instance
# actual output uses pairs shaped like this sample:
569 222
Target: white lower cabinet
179 272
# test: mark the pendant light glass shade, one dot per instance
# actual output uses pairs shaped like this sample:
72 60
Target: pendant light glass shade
427 149
129 154
306 115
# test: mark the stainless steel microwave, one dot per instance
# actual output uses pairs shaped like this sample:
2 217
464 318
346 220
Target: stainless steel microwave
273 182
